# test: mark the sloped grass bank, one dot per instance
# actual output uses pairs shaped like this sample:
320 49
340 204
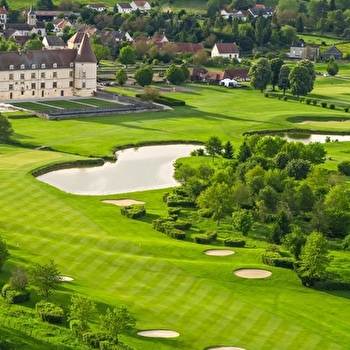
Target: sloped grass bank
164 282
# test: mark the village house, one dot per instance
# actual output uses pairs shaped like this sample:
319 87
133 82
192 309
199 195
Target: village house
97 7
124 7
140 5
48 73
332 51
226 13
3 15
229 50
52 42
300 50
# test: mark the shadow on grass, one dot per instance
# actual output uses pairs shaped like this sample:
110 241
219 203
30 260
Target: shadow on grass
299 119
148 218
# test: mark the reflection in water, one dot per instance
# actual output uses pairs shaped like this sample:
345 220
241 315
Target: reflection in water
142 169
307 138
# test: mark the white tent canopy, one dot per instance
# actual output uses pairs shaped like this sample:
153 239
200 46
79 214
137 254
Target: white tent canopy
228 82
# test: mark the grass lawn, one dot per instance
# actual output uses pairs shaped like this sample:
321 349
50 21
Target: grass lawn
95 102
32 106
165 283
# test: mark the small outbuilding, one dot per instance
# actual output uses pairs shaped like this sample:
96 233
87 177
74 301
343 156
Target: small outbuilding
332 51
229 82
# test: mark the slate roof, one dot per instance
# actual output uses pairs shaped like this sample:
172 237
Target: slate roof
189 47
77 38
55 41
85 52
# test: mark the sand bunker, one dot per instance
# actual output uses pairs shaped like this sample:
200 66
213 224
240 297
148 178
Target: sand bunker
219 252
158 333
122 202
66 279
226 348
252 273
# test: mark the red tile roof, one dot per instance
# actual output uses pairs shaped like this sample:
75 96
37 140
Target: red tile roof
227 48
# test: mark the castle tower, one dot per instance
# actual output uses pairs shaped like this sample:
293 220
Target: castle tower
85 69
31 17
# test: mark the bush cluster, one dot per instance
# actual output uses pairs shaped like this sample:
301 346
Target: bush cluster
172 228
13 296
275 259
206 238
179 201
133 212
323 104
50 312
165 100
96 339
234 242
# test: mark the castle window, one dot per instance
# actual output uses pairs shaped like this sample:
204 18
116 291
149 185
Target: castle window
22 76
10 76
10 86
23 66
54 65
11 66
71 65
71 74
43 65
43 75
42 85
54 84
54 74
33 66
33 75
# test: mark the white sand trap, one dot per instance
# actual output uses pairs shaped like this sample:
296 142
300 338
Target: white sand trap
158 333
226 348
219 252
122 202
66 279
252 273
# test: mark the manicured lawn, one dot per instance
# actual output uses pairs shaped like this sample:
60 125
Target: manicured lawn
165 283
95 102
30 105
63 104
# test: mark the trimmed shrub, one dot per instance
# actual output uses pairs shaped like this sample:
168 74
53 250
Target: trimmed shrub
323 104
17 296
346 109
332 106
176 233
344 167
266 94
202 239
5 289
234 242
205 213
314 102
174 211
182 225
212 235
161 224
76 327
185 203
165 196
275 259
308 101
94 339
49 312
285 98
198 152
133 212
301 99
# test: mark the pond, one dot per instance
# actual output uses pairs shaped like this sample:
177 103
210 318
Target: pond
307 138
141 169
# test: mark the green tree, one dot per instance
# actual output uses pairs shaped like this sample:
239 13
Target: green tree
115 322
144 76
242 4
332 67
260 30
299 24
213 146
218 200
101 51
242 221
45 5
127 55
244 152
299 80
305 198
314 259
175 75
185 71
295 241
275 65
49 27
19 279
288 34
45 278
260 74
344 167
150 93
34 44
121 77
5 128
4 253
82 309
298 168
228 150
283 79
315 153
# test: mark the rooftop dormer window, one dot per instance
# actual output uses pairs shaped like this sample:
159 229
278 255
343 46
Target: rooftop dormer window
43 65
71 65
33 66
23 66
11 66
54 65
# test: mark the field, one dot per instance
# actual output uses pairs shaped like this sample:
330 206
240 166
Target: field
169 284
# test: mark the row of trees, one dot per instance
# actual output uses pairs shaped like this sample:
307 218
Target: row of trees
299 79
46 279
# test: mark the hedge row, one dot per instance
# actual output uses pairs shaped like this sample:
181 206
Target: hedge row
50 312
275 259
97 340
206 238
14 296
133 212
165 100
173 229
234 242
